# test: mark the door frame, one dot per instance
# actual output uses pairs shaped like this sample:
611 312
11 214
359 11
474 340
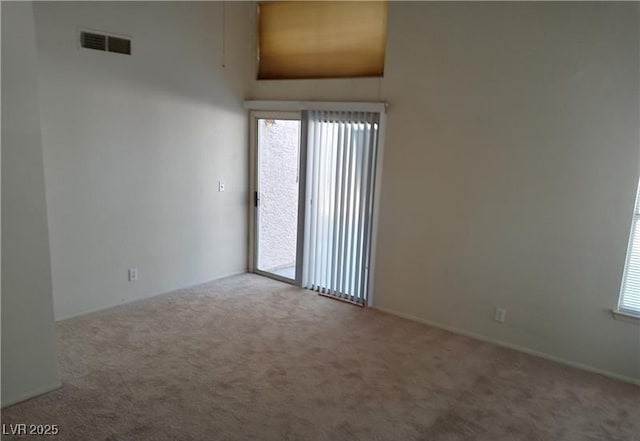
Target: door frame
254 157
258 107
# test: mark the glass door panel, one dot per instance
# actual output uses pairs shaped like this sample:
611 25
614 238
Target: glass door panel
277 183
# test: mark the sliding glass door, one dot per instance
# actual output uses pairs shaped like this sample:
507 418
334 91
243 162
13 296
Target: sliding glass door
276 195
314 183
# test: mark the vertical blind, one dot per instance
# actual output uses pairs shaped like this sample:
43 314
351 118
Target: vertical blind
341 160
630 295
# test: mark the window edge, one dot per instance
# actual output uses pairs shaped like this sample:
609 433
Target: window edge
626 316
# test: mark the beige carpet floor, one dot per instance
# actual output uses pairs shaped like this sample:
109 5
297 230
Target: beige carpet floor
248 358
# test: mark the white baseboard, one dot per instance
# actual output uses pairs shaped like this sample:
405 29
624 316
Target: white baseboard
31 394
515 347
128 302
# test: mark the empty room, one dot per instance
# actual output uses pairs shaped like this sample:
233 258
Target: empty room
320 220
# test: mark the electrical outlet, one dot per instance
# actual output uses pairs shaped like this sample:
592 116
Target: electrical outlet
220 186
133 274
500 314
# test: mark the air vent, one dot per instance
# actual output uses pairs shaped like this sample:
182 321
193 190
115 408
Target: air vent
119 45
105 42
91 40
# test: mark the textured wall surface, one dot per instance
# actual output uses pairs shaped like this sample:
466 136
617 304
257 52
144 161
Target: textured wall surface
278 182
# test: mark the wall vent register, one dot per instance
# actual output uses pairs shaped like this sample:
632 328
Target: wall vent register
104 42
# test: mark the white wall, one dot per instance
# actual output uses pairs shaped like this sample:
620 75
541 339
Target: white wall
29 363
510 167
134 147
